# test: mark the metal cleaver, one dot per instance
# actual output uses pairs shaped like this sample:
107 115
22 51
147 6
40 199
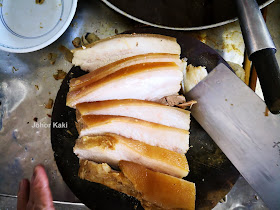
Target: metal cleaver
236 119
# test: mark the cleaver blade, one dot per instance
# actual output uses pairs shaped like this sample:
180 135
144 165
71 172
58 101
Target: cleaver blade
235 118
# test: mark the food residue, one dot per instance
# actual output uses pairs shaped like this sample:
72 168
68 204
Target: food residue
223 200
37 87
35 119
52 58
59 75
173 100
89 38
76 42
192 76
68 55
202 37
239 71
187 104
92 38
266 112
49 104
69 132
49 115
39 1
14 69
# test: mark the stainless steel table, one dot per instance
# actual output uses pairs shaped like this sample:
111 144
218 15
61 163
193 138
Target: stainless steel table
27 83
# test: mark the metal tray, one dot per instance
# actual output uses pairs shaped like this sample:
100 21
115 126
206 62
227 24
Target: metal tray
179 14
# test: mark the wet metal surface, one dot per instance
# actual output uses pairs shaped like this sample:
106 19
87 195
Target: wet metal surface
26 85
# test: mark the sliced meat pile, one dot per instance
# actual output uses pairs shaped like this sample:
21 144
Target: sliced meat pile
129 140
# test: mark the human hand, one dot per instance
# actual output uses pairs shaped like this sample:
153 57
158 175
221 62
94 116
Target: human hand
37 193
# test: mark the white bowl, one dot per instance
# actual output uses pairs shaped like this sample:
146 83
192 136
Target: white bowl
26 26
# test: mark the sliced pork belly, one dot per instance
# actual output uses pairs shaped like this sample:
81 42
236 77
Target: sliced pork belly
104 174
143 110
111 148
147 81
117 47
160 189
100 73
174 139
153 189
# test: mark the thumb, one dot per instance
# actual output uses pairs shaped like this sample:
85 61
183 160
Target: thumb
40 194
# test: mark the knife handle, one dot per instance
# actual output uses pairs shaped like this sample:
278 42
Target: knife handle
269 75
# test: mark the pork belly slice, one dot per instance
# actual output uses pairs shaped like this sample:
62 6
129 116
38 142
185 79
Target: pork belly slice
143 110
111 148
174 139
154 190
160 189
117 47
101 72
104 174
146 81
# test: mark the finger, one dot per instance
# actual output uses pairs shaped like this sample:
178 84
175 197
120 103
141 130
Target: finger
40 194
23 194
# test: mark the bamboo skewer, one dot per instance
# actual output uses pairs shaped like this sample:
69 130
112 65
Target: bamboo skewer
247 68
253 78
